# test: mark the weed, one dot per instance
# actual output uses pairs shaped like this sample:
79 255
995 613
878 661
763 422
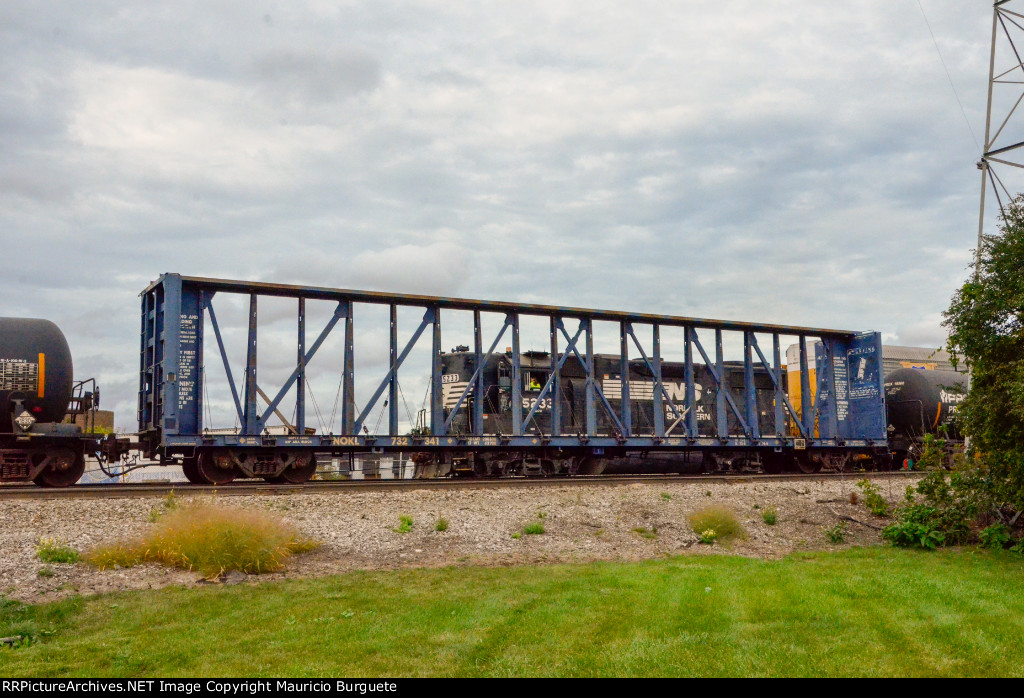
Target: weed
995 536
719 519
211 540
770 515
533 529
46 571
52 550
25 624
517 535
648 533
541 514
914 534
404 524
441 525
949 505
854 498
933 453
666 496
707 537
170 501
168 504
836 533
873 498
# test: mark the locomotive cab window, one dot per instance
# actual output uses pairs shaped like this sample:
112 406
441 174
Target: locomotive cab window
504 375
534 380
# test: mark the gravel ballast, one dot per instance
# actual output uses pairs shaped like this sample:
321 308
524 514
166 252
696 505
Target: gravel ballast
485 527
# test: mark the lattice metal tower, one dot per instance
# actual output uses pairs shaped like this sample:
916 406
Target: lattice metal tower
1004 146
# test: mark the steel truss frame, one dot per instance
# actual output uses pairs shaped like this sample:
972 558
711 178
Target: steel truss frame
1004 146
847 411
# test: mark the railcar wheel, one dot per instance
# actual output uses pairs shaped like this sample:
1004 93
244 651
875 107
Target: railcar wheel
423 466
807 463
590 466
298 472
424 470
216 467
64 469
190 469
837 462
497 468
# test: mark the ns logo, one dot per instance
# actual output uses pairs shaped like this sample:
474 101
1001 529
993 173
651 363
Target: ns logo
677 391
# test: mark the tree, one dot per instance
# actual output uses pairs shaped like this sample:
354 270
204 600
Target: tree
986 325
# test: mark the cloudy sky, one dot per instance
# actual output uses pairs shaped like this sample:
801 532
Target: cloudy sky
789 161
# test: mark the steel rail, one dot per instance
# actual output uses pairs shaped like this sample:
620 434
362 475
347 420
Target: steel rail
239 488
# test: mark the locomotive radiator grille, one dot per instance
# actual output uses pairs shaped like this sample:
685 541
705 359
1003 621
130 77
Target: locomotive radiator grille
14 465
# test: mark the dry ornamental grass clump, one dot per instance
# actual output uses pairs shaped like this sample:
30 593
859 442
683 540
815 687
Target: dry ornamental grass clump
720 520
210 540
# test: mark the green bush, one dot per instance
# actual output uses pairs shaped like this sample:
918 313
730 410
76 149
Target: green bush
914 534
873 498
441 525
770 516
533 529
995 536
933 453
404 524
943 510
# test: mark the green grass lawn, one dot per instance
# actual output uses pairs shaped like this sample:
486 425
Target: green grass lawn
870 612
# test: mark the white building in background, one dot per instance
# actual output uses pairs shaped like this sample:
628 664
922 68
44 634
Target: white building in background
893 358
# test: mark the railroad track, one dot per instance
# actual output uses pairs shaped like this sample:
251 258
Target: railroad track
161 489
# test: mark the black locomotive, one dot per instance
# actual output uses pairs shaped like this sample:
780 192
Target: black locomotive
459 365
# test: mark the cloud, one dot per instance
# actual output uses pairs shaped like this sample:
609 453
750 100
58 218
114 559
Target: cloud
312 79
790 163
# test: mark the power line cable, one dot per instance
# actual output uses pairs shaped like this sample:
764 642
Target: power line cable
948 76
